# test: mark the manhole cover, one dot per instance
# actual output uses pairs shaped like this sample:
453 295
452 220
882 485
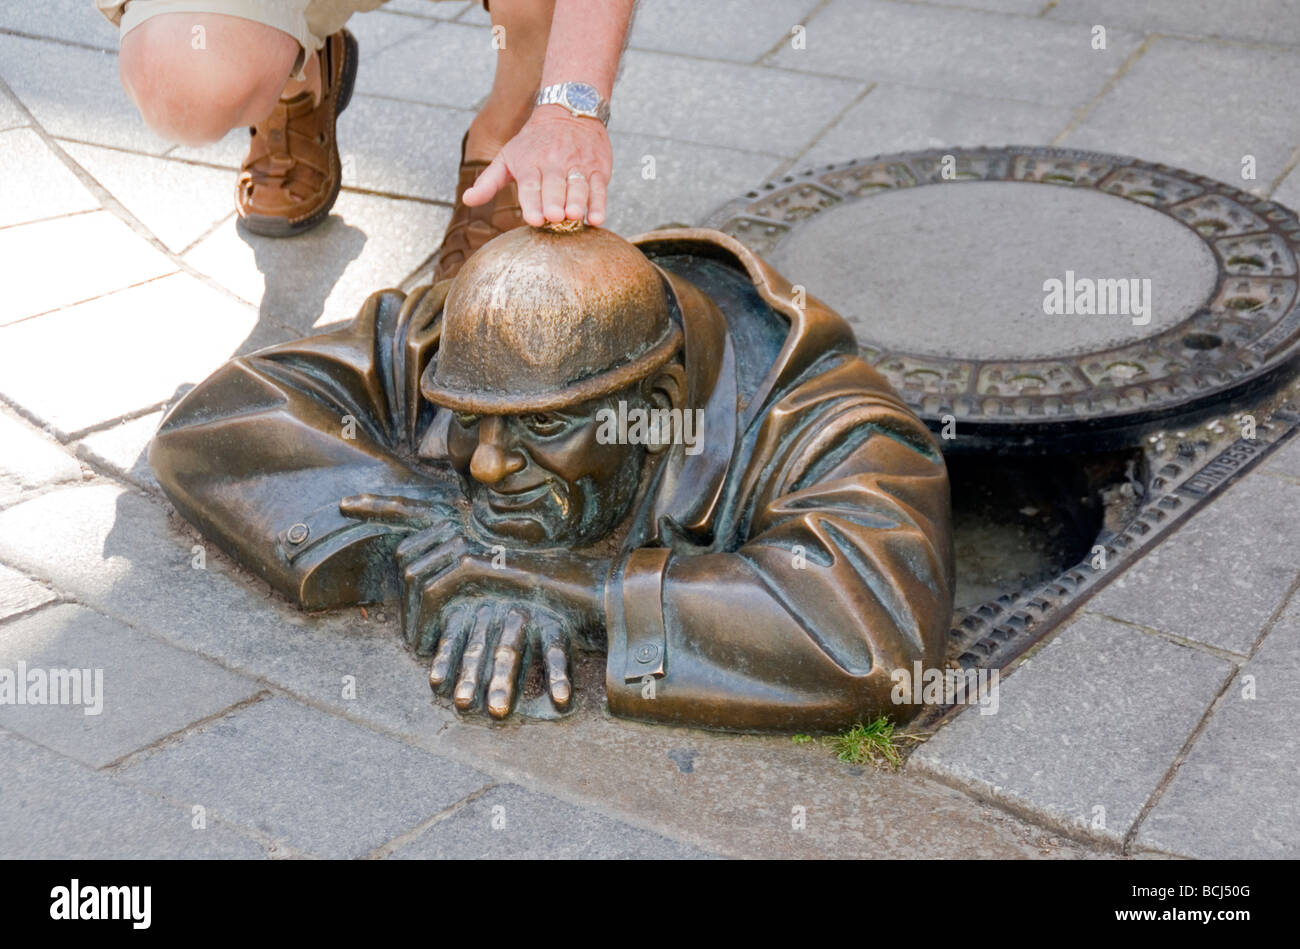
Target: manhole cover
1056 300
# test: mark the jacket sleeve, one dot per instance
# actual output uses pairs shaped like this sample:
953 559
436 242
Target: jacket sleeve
843 573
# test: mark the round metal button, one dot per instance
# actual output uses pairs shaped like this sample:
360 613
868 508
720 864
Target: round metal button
297 534
647 653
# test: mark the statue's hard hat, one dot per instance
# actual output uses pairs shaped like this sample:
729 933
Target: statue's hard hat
542 318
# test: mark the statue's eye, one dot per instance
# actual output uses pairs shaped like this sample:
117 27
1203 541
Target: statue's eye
543 423
466 419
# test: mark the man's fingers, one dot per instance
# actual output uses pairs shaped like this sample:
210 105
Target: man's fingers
575 208
380 507
555 661
530 197
596 199
471 662
554 187
455 630
421 542
505 666
494 178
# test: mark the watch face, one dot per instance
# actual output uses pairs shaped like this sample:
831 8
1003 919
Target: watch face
582 97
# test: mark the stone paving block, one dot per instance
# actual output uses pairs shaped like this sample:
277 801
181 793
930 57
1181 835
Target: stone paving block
1093 720
30 460
122 449
967 51
902 118
746 107
63 262
37 184
1286 460
375 147
18 593
435 9
1237 796
75 93
10 115
1264 21
1201 106
451 64
1222 575
741 32
366 244
120 353
510 822
56 809
71 20
143 688
1287 193
689 180
377 30
475 14
226 152
321 783
115 549
1022 7
177 201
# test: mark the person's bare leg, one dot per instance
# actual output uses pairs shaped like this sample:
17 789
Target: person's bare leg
194 96
527 26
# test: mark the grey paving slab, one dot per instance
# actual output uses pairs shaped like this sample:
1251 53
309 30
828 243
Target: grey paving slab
1084 731
1237 796
18 593
1286 460
1222 575
75 93
31 460
1022 7
36 183
115 549
366 244
746 107
70 20
122 449
63 261
1265 21
377 30
11 116
659 180
741 32
56 809
511 822
177 201
120 353
1201 106
375 147
1288 192
143 689
434 9
322 784
475 14
226 152
986 54
451 64
902 118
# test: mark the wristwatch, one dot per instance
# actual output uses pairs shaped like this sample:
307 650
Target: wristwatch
580 98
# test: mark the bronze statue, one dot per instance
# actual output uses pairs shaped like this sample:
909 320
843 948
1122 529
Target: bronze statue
658 449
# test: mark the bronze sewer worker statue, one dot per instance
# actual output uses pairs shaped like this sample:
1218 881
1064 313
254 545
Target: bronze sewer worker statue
659 449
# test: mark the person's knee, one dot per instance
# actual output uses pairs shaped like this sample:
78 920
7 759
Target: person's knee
195 78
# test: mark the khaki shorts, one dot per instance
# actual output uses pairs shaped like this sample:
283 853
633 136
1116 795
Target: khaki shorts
307 21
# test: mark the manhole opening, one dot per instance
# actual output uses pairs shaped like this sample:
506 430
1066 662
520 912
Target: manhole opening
1018 522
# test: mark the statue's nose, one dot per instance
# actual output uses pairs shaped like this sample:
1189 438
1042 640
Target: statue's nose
493 459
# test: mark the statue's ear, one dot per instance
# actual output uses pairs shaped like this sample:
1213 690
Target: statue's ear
666 389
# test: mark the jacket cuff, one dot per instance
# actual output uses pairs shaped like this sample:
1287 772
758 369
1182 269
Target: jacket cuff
634 617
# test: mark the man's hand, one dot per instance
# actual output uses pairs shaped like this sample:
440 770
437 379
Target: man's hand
485 636
561 163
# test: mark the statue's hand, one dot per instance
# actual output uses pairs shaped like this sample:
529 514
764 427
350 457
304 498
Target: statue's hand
493 641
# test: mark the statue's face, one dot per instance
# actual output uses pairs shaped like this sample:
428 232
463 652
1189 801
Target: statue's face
545 478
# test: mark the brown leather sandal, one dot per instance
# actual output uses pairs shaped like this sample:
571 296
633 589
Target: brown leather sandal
471 228
292 175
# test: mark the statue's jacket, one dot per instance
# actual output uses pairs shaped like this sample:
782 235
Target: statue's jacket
777 577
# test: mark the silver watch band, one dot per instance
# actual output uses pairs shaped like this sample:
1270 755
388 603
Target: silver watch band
558 94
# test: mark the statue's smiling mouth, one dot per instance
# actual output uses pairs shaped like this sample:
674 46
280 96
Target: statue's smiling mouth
515 500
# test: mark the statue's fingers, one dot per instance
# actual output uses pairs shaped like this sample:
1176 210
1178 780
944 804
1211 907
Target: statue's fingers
506 663
415 576
455 630
382 507
417 544
471 661
555 660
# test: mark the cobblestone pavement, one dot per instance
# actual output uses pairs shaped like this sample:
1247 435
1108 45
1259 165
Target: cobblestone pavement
232 725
